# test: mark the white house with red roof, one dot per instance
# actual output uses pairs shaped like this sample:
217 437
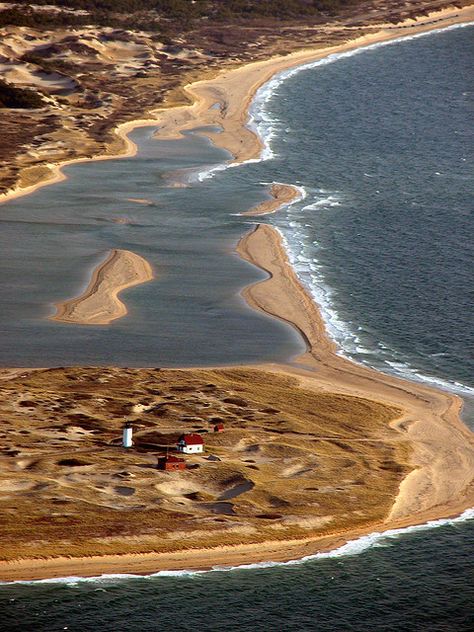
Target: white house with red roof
190 444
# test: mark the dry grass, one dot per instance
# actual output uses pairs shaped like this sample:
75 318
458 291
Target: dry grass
293 462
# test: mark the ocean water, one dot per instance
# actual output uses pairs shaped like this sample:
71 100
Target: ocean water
380 144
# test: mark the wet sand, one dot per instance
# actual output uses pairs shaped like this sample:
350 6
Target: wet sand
281 195
99 304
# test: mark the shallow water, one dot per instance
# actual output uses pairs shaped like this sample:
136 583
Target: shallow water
388 252
191 314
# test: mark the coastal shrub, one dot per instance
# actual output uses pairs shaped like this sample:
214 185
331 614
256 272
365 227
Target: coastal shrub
165 16
12 97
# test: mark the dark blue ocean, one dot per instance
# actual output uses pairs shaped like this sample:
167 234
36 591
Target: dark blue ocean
380 144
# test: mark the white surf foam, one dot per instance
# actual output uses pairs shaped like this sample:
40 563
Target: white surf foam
350 548
298 245
266 127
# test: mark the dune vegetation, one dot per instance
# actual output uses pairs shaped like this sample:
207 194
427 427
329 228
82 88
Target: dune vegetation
291 462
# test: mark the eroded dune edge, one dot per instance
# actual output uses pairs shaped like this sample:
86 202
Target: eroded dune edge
99 304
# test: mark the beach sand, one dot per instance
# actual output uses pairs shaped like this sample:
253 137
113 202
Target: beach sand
99 304
281 195
443 447
440 483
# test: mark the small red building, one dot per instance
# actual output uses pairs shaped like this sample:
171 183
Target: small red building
171 463
190 444
219 427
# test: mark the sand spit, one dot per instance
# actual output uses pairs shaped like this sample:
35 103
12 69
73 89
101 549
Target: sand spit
440 483
99 304
281 195
443 447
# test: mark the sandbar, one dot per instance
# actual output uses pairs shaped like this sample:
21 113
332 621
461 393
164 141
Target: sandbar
440 480
281 195
99 303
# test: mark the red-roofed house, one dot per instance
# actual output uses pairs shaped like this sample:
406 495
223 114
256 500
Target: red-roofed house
190 444
171 463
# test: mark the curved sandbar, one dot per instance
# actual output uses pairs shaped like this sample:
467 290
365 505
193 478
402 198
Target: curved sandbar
99 304
442 480
281 195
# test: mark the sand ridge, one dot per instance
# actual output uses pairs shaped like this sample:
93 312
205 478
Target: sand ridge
281 195
99 304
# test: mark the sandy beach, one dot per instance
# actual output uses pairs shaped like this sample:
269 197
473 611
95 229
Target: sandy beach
441 443
232 91
99 304
440 483
224 101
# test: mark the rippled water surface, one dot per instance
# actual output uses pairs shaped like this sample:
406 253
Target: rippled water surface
190 314
400 586
381 145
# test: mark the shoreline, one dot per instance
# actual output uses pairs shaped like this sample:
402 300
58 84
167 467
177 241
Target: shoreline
431 419
281 195
233 89
319 368
99 303
222 558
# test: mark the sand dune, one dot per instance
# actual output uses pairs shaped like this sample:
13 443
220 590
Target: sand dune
99 304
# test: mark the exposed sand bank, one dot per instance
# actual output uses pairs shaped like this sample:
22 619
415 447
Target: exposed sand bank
234 89
441 482
281 195
443 457
99 304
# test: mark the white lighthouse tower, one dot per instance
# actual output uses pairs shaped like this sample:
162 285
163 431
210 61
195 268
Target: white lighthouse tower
127 435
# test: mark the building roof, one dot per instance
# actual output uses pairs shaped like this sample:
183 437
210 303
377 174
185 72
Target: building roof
171 459
191 439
